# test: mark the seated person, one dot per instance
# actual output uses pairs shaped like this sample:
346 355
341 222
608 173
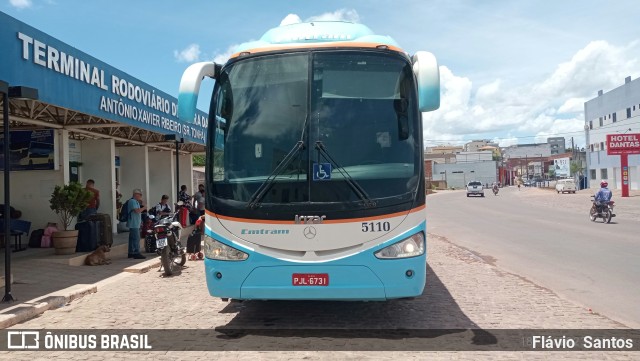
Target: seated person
162 209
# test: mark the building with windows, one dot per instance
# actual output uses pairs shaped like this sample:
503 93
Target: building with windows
613 112
476 145
557 145
444 149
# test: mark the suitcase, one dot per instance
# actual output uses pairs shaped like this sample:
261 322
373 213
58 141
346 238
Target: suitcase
150 244
36 238
106 229
193 242
88 235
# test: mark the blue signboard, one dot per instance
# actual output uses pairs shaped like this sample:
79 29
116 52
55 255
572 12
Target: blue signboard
69 78
30 150
321 171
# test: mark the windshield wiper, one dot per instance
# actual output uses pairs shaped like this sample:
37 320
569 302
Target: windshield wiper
357 189
255 199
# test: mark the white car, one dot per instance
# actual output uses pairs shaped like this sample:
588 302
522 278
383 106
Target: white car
566 185
475 187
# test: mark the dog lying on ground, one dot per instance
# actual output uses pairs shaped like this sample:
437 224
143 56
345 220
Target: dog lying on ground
98 257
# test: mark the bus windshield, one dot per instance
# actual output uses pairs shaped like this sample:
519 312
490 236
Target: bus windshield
325 127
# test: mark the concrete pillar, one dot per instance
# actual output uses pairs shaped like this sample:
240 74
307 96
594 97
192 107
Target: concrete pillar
162 179
63 165
186 172
134 171
98 163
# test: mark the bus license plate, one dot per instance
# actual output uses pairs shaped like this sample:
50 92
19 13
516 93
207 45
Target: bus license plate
162 242
310 279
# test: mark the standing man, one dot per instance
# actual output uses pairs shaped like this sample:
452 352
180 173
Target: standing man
198 203
185 209
135 208
94 203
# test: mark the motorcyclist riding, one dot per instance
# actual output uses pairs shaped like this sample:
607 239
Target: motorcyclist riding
603 196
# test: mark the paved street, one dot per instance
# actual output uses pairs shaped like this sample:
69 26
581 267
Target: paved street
549 239
463 291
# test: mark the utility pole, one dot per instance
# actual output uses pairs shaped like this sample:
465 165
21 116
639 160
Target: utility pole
573 159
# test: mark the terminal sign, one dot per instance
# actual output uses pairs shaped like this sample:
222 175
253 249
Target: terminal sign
623 144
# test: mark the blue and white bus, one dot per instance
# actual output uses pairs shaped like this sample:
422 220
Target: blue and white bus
315 174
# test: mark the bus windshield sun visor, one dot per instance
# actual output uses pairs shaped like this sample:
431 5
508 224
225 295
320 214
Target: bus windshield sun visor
357 189
254 201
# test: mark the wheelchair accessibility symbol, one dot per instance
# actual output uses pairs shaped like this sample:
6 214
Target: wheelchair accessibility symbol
321 171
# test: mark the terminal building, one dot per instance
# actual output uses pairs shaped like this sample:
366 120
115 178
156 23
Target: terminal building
90 121
613 112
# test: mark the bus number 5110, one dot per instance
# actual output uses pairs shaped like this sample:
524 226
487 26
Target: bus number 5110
376 226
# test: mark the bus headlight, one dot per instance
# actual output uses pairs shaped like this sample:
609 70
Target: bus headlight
220 251
408 247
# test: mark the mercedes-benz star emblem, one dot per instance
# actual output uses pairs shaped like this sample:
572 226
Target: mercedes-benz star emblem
309 232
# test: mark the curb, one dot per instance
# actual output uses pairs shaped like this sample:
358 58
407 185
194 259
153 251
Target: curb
144 266
30 309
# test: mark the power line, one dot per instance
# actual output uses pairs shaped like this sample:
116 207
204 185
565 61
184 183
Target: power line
539 135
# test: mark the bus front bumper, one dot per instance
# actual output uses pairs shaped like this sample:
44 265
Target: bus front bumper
359 277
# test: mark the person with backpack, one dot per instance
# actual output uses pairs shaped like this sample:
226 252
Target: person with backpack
132 210
163 208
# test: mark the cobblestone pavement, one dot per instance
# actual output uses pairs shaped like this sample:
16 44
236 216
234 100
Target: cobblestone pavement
462 292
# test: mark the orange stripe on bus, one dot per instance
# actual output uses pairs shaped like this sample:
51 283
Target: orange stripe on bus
344 44
348 220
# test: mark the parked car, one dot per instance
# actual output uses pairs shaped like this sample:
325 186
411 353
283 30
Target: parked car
529 183
476 188
565 185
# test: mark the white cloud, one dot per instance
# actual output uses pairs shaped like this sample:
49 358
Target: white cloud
598 65
189 54
572 105
221 58
487 91
21 4
550 106
506 142
290 19
350 15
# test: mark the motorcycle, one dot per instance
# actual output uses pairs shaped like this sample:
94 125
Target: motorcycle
495 190
604 211
166 232
146 232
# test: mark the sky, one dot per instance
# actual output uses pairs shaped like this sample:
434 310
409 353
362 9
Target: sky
514 72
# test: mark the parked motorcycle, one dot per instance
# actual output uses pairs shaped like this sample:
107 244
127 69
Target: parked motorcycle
604 212
146 232
166 232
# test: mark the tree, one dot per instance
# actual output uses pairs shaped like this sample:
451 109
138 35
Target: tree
199 160
576 167
68 201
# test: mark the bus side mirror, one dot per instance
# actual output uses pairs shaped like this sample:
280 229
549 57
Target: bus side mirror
190 87
425 67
